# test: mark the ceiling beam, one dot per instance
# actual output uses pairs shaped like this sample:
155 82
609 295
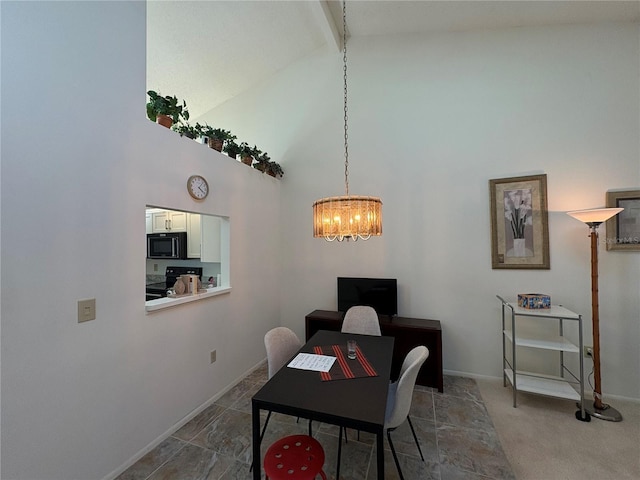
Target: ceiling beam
328 26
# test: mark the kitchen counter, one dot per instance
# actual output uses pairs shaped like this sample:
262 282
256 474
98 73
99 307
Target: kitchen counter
167 302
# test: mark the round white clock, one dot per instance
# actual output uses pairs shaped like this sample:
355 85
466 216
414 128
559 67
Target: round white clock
198 187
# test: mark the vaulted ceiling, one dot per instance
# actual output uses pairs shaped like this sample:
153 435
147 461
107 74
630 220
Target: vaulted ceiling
206 52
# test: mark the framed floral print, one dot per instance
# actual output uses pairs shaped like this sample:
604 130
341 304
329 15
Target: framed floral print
519 223
623 230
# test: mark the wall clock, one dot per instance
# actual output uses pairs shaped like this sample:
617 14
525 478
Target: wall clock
197 187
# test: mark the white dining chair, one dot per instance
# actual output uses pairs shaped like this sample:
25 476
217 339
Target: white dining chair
281 344
399 398
361 319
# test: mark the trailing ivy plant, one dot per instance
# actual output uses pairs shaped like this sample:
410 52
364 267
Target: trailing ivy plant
231 148
256 152
186 130
217 133
245 150
275 169
262 162
159 105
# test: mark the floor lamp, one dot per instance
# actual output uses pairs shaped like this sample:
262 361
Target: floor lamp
593 218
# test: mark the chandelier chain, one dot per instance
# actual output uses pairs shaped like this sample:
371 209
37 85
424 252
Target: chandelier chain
344 68
347 217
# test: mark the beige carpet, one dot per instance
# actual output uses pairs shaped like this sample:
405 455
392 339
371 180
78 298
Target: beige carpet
543 440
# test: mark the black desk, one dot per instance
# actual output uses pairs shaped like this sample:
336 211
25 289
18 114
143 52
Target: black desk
357 403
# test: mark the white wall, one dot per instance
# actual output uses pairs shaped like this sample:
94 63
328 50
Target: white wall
431 120
79 163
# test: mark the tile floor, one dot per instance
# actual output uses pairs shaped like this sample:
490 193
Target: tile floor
456 434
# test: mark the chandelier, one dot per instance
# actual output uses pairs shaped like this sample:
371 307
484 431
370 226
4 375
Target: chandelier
347 217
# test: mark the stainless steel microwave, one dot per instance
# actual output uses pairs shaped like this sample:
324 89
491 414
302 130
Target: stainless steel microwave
167 245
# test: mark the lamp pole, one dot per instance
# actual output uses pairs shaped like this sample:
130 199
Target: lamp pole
600 410
593 218
595 319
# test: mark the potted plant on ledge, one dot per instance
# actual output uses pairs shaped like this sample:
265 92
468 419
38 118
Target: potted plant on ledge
231 148
246 153
262 162
165 110
275 170
186 130
217 137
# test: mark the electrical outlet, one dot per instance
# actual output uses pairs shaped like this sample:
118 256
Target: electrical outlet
588 351
155 267
213 356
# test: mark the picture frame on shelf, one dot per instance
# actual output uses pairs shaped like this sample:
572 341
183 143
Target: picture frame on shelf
623 230
519 223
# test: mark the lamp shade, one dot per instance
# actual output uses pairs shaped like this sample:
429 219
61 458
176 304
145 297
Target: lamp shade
348 217
595 216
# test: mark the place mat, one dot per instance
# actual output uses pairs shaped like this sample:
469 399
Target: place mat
344 368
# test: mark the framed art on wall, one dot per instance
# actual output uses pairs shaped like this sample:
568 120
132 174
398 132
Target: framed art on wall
623 230
519 223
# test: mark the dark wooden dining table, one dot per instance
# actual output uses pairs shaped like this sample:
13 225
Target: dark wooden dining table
357 403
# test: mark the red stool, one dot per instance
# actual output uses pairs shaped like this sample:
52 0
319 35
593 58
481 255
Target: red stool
296 457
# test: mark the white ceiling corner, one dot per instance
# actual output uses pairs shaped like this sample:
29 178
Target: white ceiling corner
329 26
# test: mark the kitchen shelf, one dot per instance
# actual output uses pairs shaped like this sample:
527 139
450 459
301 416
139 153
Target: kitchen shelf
567 385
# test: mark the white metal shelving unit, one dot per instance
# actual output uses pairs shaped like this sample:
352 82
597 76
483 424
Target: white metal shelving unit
570 387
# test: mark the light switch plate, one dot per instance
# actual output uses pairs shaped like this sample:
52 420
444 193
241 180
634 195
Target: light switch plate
86 310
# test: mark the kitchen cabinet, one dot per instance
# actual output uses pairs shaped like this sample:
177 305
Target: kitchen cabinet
203 237
193 235
210 228
149 222
168 221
